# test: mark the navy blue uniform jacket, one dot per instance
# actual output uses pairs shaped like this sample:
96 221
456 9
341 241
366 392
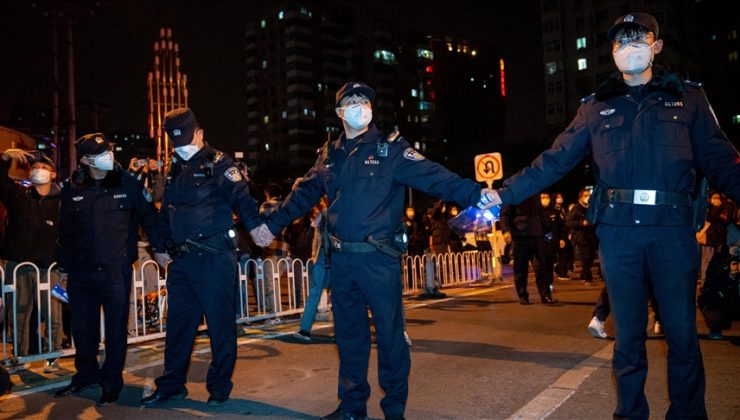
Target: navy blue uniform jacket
99 220
201 195
367 191
654 144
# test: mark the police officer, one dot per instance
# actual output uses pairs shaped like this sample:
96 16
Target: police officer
365 173
647 132
101 208
203 189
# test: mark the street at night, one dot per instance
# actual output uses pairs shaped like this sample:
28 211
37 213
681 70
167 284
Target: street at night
477 354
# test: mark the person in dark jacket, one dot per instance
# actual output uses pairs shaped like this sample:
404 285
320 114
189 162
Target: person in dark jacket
523 224
204 188
565 250
101 209
33 223
552 229
583 235
365 174
646 132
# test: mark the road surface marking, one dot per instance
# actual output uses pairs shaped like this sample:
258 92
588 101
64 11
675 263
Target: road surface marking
564 387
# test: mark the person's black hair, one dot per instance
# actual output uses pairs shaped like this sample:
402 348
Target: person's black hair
629 31
273 190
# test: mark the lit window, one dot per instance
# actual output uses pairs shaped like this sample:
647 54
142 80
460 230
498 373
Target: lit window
285 114
266 119
582 65
474 53
449 46
414 93
320 87
732 56
732 34
472 79
551 67
385 57
305 111
425 54
736 119
264 64
267 147
424 106
581 43
401 103
263 23
306 12
417 146
714 37
281 15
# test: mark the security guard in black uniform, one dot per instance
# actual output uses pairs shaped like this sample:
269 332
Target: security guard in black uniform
102 206
365 173
647 132
203 189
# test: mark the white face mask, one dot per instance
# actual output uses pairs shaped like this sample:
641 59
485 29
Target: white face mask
187 151
634 58
40 176
104 161
358 116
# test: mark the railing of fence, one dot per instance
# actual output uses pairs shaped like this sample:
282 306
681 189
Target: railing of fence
267 289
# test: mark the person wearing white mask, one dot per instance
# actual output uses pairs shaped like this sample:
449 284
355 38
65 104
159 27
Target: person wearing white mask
33 222
205 187
647 133
365 174
102 207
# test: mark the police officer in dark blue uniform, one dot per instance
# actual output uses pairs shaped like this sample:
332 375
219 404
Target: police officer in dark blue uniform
647 132
365 173
102 206
203 189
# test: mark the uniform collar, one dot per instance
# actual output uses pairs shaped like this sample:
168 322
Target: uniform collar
662 81
366 137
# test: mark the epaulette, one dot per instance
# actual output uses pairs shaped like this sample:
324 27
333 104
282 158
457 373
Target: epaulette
698 85
587 98
218 155
392 136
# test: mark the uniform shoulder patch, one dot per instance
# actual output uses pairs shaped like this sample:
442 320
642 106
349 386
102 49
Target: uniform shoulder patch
411 154
233 174
587 98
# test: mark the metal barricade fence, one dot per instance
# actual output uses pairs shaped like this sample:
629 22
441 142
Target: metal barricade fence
267 289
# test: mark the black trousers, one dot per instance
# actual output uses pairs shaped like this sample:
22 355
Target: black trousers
200 283
89 291
667 258
587 251
527 248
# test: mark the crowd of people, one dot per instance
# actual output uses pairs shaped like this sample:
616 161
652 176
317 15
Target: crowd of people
646 131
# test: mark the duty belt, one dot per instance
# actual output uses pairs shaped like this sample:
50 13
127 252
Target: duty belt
214 244
344 246
646 197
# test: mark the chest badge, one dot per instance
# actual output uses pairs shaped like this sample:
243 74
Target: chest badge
117 196
372 161
673 104
411 154
78 198
607 112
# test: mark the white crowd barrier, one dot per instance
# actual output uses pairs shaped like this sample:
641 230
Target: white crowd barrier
267 289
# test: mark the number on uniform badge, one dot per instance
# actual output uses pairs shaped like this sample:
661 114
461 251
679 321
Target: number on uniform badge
233 174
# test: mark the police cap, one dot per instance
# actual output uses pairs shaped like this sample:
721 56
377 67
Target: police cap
634 19
180 124
350 88
91 145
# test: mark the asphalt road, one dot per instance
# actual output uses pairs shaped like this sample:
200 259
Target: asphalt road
477 354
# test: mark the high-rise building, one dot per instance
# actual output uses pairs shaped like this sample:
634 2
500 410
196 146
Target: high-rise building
298 55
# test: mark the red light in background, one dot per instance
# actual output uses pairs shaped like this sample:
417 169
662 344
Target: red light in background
430 69
432 95
429 82
503 77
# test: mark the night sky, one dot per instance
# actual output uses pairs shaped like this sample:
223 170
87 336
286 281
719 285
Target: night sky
113 53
